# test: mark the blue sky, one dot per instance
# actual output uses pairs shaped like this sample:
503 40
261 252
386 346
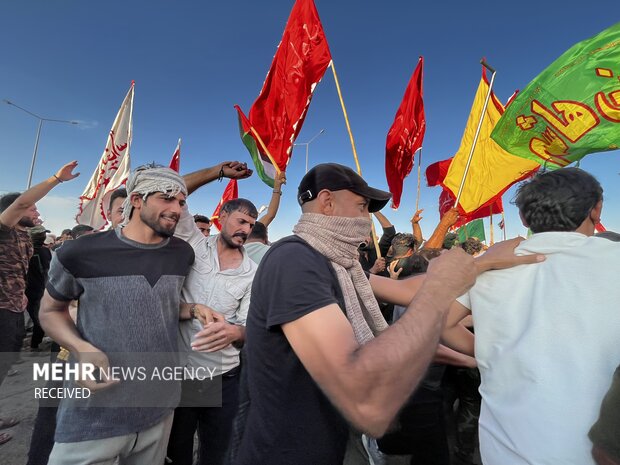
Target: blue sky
193 60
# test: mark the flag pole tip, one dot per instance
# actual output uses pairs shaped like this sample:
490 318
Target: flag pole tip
133 83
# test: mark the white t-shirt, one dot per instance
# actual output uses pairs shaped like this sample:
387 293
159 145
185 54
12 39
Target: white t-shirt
547 345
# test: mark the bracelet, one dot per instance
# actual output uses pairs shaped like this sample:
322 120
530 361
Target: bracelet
277 192
58 179
192 311
220 175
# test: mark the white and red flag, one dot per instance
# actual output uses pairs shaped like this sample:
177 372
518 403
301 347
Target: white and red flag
112 170
175 162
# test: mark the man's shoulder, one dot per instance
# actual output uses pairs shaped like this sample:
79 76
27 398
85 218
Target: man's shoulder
293 249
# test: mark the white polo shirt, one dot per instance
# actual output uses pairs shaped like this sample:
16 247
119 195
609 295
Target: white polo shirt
547 345
227 292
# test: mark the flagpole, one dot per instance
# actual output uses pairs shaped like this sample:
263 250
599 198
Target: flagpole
346 119
417 199
504 223
492 241
357 163
264 147
473 146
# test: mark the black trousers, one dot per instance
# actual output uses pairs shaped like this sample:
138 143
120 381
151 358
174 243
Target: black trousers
12 332
214 424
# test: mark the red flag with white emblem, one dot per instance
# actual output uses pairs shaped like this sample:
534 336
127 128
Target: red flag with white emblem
175 163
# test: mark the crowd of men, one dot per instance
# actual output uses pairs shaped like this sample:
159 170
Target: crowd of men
320 350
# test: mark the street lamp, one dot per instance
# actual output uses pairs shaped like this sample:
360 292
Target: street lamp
307 144
36 141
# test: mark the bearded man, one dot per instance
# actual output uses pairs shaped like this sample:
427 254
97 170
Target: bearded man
18 212
221 279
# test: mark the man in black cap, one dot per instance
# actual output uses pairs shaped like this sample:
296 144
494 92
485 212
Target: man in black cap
316 359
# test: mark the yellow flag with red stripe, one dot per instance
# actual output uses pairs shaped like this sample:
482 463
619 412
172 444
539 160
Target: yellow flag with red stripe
492 170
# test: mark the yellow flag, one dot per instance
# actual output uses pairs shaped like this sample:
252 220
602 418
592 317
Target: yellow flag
492 170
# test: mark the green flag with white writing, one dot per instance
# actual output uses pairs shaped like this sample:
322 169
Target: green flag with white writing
569 110
472 229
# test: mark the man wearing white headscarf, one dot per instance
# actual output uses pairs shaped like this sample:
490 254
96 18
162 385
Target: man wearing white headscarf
128 283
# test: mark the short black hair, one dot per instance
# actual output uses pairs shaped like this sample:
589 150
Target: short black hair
80 230
471 245
121 192
558 200
241 205
65 232
259 231
7 200
201 219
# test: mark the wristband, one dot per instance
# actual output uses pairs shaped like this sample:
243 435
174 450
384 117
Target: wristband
58 179
277 192
192 312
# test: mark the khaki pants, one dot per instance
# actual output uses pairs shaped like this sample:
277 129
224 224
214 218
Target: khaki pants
144 447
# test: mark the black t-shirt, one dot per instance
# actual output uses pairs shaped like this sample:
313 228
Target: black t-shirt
290 420
37 273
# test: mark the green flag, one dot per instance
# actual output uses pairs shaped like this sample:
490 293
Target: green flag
571 109
472 229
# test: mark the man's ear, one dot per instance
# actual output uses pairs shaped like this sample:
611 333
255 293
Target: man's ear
325 202
595 213
136 201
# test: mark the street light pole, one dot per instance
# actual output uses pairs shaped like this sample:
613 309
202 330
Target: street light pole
307 144
36 141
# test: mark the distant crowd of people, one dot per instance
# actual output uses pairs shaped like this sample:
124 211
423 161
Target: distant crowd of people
328 346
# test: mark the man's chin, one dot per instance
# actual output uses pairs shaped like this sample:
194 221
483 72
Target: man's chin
26 223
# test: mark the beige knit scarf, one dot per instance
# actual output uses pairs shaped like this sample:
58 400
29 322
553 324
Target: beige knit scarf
337 238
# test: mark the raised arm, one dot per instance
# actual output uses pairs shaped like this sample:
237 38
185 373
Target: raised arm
389 231
274 203
227 169
12 214
415 224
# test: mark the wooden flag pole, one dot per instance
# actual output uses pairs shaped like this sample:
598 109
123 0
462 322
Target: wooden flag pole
504 223
346 119
262 144
491 241
417 199
357 163
473 145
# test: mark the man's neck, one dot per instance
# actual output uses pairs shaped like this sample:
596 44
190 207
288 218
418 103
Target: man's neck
229 257
141 233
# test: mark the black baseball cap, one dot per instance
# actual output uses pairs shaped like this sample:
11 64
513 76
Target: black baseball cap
336 177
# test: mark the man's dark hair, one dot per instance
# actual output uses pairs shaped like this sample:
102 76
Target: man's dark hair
120 192
449 240
259 232
80 230
402 243
65 232
7 200
471 246
241 205
558 200
201 219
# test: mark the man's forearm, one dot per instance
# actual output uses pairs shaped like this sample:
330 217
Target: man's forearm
389 367
201 177
57 324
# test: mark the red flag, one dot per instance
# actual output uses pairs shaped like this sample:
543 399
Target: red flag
278 113
175 162
231 192
405 136
435 174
